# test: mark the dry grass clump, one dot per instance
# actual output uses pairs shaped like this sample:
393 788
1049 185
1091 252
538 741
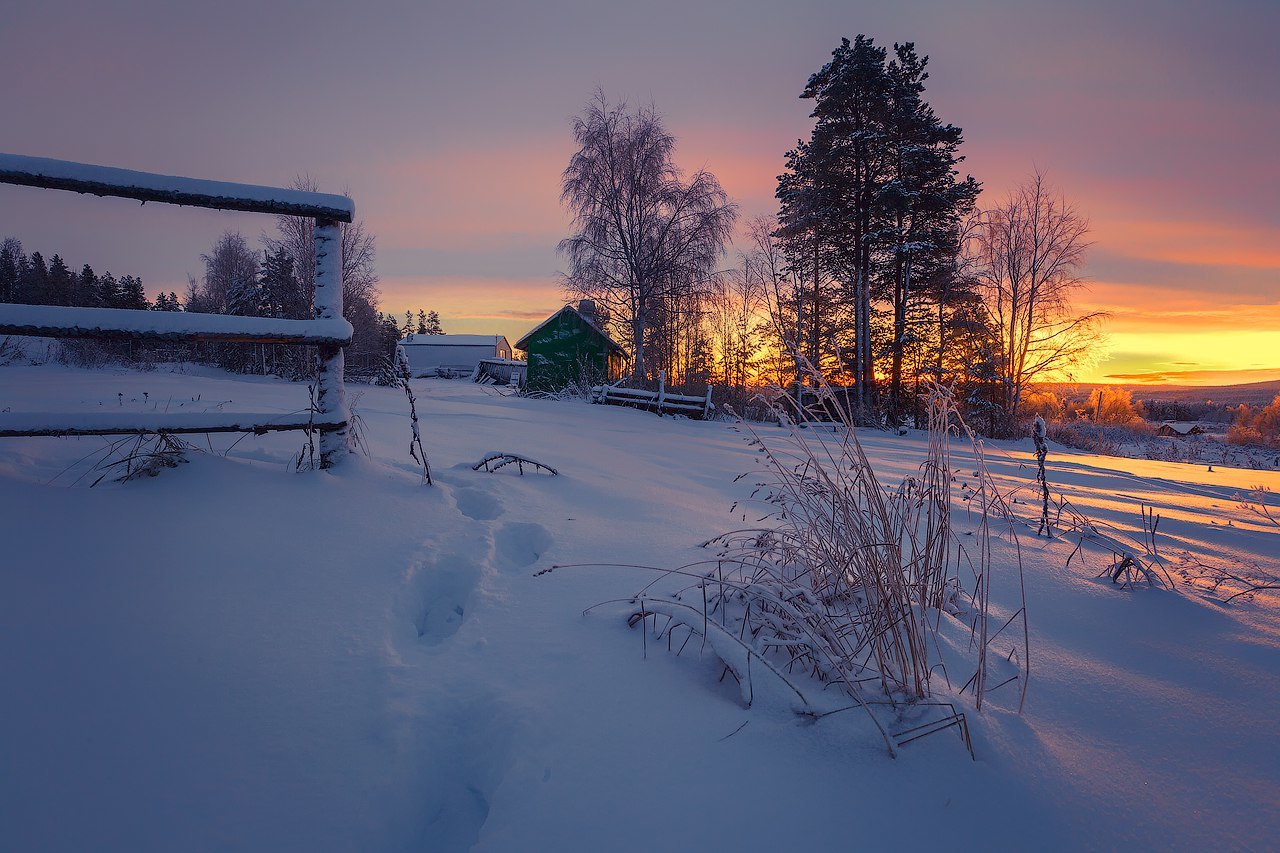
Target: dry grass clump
849 580
1108 439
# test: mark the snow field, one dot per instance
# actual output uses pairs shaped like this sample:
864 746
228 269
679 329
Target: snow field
232 655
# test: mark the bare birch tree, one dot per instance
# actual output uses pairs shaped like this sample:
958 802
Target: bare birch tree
230 272
1029 251
296 235
644 236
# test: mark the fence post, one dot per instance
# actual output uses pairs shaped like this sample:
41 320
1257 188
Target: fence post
331 399
662 390
706 407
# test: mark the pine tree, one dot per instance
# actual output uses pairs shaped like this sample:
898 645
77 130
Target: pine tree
59 287
10 254
108 291
281 293
433 326
245 298
422 322
870 206
167 302
33 280
85 291
132 294
924 203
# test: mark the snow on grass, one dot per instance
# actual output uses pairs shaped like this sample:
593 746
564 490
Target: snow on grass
233 655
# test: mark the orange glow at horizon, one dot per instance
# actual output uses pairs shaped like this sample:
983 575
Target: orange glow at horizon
1214 324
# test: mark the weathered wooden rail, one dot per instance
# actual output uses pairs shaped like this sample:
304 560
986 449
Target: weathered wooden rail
328 331
13 425
659 401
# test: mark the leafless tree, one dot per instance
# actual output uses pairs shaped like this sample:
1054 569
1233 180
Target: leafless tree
783 292
1029 251
734 313
230 269
643 235
296 235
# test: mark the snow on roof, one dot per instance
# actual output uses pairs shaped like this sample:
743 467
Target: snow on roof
520 344
1183 427
454 340
171 189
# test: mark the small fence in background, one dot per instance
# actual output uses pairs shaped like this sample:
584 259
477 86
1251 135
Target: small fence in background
659 401
501 371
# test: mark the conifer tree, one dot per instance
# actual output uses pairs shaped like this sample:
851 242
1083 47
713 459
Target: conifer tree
10 254
85 292
33 280
59 286
281 293
869 207
108 291
132 294
924 202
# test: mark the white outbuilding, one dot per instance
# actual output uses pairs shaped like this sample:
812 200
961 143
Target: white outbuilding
452 355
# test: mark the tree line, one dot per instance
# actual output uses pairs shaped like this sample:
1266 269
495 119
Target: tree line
422 323
31 280
274 280
879 272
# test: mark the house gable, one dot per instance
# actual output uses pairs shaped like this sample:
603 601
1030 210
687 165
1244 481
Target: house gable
566 349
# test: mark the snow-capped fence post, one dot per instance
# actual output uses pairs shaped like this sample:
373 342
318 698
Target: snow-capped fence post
706 408
662 390
331 398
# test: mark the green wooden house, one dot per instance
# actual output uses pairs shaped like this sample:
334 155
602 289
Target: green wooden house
568 348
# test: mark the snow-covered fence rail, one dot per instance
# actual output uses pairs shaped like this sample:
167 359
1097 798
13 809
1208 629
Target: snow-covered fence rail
144 186
660 401
146 423
328 331
52 321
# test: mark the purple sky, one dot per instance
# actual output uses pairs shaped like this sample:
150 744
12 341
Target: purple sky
449 125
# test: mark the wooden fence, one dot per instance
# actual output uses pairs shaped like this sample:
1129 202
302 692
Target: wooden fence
655 401
328 331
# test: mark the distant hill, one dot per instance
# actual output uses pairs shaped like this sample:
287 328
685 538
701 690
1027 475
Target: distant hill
1252 393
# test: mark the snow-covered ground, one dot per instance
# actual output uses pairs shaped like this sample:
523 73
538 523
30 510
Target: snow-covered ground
236 656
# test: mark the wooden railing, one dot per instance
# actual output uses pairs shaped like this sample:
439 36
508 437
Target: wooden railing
328 331
659 401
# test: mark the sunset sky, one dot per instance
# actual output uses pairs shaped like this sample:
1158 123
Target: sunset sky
448 123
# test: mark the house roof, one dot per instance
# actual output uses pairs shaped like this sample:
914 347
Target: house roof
454 340
613 345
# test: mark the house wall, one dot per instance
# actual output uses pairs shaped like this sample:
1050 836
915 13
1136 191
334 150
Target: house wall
566 351
425 359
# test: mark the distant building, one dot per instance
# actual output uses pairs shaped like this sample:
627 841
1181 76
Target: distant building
1179 429
452 355
569 347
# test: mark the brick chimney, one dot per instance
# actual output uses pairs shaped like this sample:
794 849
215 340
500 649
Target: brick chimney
587 308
